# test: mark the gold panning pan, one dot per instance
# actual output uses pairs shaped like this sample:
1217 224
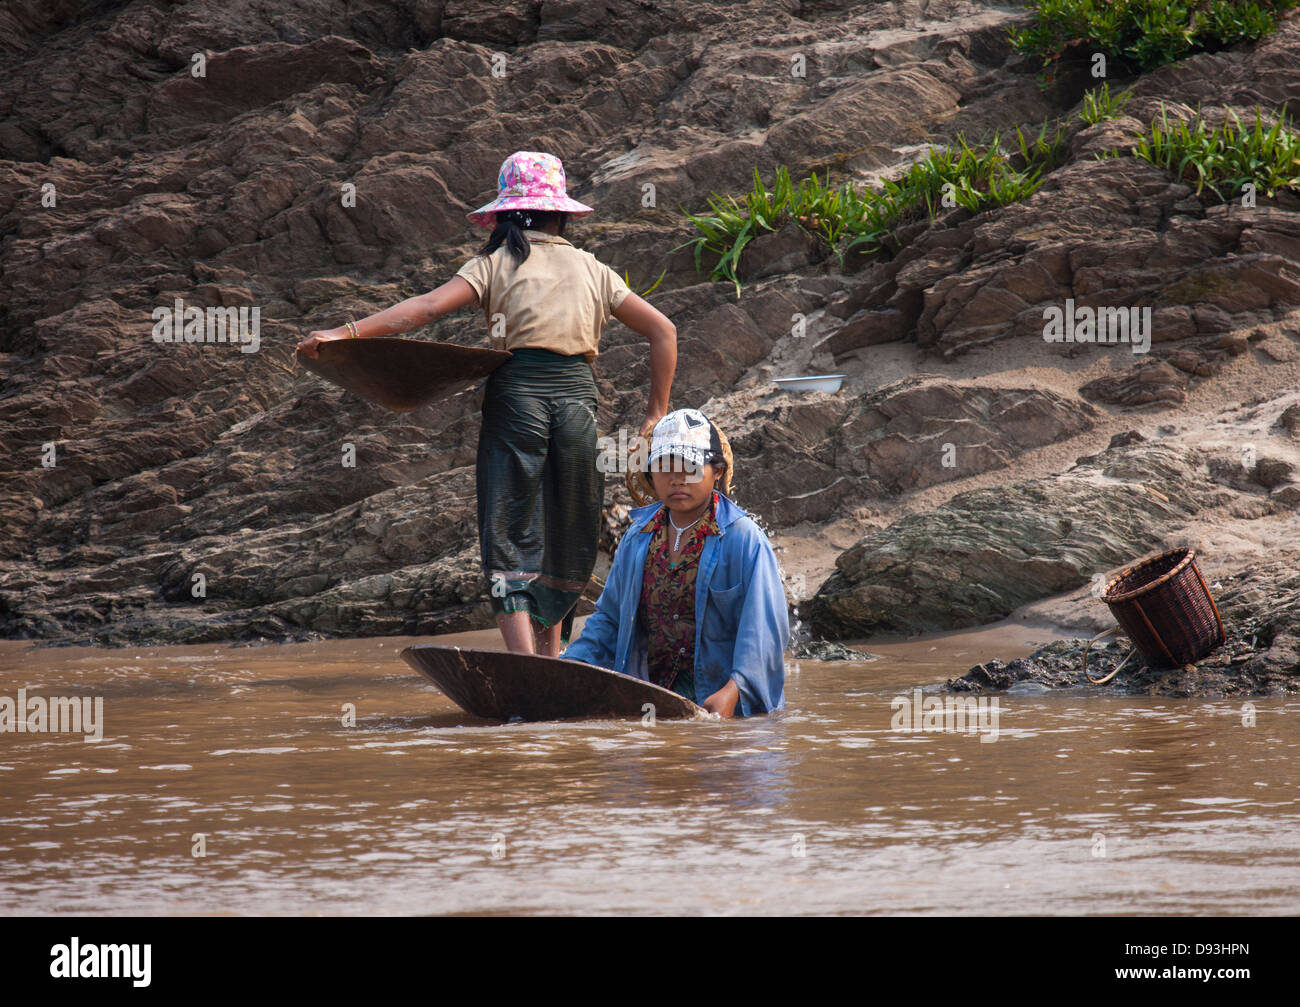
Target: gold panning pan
401 374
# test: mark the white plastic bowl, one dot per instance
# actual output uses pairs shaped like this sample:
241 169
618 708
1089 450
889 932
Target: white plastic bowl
813 383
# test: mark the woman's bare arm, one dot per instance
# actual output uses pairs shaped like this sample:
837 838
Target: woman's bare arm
642 317
403 316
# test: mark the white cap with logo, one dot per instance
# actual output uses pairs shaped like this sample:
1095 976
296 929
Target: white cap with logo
688 434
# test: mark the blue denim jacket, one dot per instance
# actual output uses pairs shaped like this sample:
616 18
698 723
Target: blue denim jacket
742 627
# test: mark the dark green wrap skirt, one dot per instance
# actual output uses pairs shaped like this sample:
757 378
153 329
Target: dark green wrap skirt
539 488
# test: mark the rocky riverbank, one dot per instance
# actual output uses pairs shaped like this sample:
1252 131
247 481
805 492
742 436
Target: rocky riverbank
967 470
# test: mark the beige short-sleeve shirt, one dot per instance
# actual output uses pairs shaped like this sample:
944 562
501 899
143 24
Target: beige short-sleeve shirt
559 298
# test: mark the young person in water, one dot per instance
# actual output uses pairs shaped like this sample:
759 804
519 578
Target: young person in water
694 600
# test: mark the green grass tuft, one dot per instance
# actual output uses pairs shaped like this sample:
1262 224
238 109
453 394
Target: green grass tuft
1099 104
1225 159
848 219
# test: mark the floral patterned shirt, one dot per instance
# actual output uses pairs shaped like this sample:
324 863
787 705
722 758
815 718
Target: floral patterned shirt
667 609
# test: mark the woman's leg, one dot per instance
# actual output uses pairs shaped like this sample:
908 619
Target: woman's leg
539 495
511 455
546 641
573 488
519 639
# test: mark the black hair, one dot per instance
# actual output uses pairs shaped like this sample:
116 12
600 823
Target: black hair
510 230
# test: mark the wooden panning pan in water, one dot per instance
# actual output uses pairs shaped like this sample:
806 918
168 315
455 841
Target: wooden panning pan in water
500 686
401 374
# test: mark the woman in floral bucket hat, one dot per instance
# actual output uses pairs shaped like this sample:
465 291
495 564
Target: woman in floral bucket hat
539 488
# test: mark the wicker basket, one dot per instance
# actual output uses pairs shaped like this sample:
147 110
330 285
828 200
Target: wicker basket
1164 606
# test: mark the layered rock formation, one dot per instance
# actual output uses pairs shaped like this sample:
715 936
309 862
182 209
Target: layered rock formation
986 552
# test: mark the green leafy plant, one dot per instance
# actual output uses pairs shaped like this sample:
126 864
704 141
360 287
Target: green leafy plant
724 233
1142 34
849 219
1233 22
1099 104
1165 34
1226 158
1047 152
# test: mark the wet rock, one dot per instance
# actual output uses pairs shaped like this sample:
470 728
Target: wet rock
829 650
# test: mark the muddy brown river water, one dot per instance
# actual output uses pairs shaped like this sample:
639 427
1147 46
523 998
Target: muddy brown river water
226 782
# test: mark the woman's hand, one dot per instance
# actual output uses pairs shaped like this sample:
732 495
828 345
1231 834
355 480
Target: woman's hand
310 345
723 702
639 449
648 425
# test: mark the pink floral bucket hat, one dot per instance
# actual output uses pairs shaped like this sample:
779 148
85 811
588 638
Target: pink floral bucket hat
529 181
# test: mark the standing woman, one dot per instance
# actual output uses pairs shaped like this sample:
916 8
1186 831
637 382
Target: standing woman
539 489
